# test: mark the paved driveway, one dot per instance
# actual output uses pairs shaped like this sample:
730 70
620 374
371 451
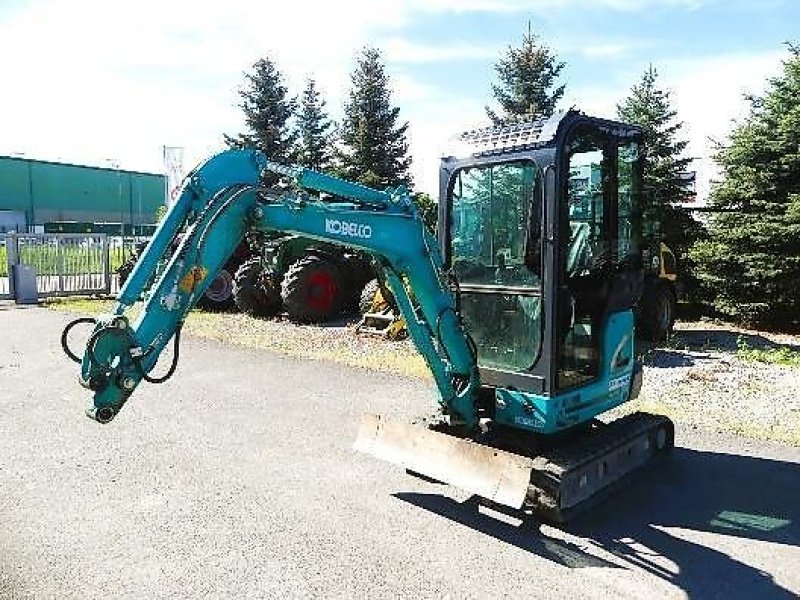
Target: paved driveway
236 479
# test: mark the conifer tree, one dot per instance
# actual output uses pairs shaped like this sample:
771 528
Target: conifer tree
650 107
751 261
526 82
267 114
428 209
375 149
315 130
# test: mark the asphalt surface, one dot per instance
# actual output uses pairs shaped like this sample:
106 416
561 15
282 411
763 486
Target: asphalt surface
237 479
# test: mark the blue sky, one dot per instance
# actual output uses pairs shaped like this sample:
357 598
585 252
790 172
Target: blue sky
105 82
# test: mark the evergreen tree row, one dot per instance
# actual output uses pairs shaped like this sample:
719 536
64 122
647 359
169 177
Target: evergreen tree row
750 263
747 264
369 146
528 87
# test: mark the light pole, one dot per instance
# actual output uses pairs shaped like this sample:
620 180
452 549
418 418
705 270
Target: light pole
114 164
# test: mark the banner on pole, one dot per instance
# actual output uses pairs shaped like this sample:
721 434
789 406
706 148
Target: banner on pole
173 170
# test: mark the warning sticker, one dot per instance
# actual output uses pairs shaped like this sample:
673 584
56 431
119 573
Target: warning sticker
192 278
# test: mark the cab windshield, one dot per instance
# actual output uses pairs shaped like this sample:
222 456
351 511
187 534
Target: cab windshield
495 254
490 225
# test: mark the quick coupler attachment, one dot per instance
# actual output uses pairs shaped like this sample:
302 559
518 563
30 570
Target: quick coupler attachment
108 369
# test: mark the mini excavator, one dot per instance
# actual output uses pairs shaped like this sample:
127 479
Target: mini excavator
520 306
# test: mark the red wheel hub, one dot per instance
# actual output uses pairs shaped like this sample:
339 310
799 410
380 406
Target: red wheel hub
322 291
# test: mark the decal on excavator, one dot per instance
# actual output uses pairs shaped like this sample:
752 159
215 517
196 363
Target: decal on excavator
619 383
348 229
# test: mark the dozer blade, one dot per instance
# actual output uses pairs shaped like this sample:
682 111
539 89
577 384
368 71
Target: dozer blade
494 474
558 485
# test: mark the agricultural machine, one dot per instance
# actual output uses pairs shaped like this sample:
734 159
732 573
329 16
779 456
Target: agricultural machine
313 281
522 309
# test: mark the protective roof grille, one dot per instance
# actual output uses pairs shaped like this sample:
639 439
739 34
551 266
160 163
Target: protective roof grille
503 138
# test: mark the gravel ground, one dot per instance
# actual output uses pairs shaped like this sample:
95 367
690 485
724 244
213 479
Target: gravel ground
697 379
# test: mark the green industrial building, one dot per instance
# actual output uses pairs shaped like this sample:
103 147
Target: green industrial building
42 196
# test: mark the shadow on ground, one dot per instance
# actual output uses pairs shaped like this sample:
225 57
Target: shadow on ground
701 491
725 340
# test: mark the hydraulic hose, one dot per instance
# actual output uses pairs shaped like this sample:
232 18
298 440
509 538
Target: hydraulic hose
176 346
64 334
137 360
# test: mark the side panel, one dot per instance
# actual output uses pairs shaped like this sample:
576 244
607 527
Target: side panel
543 414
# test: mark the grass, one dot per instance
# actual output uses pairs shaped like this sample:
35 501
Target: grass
785 431
334 343
778 355
340 344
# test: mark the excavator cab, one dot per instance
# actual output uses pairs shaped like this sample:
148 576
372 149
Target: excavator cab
539 225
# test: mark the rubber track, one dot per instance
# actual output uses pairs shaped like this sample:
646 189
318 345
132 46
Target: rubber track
553 467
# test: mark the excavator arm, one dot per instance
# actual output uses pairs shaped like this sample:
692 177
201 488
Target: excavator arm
219 202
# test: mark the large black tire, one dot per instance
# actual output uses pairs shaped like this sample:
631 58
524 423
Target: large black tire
125 269
656 312
219 294
313 290
367 300
255 289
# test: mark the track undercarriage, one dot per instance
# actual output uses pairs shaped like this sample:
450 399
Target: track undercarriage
556 481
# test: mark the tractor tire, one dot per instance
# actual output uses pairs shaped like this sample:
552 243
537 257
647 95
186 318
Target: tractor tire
367 300
656 313
312 290
125 269
219 294
255 289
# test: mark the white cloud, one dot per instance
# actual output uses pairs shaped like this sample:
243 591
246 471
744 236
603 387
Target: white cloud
94 81
513 6
604 51
433 122
708 94
90 80
399 50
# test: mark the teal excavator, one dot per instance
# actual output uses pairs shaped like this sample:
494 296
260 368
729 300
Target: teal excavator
521 305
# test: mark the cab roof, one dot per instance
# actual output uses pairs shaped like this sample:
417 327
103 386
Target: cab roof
537 132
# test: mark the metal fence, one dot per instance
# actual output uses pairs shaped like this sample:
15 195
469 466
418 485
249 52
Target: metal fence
65 264
5 272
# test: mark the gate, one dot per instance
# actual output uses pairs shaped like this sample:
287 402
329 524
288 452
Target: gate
66 264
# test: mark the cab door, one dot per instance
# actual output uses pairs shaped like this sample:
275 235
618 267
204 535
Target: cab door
598 250
493 209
